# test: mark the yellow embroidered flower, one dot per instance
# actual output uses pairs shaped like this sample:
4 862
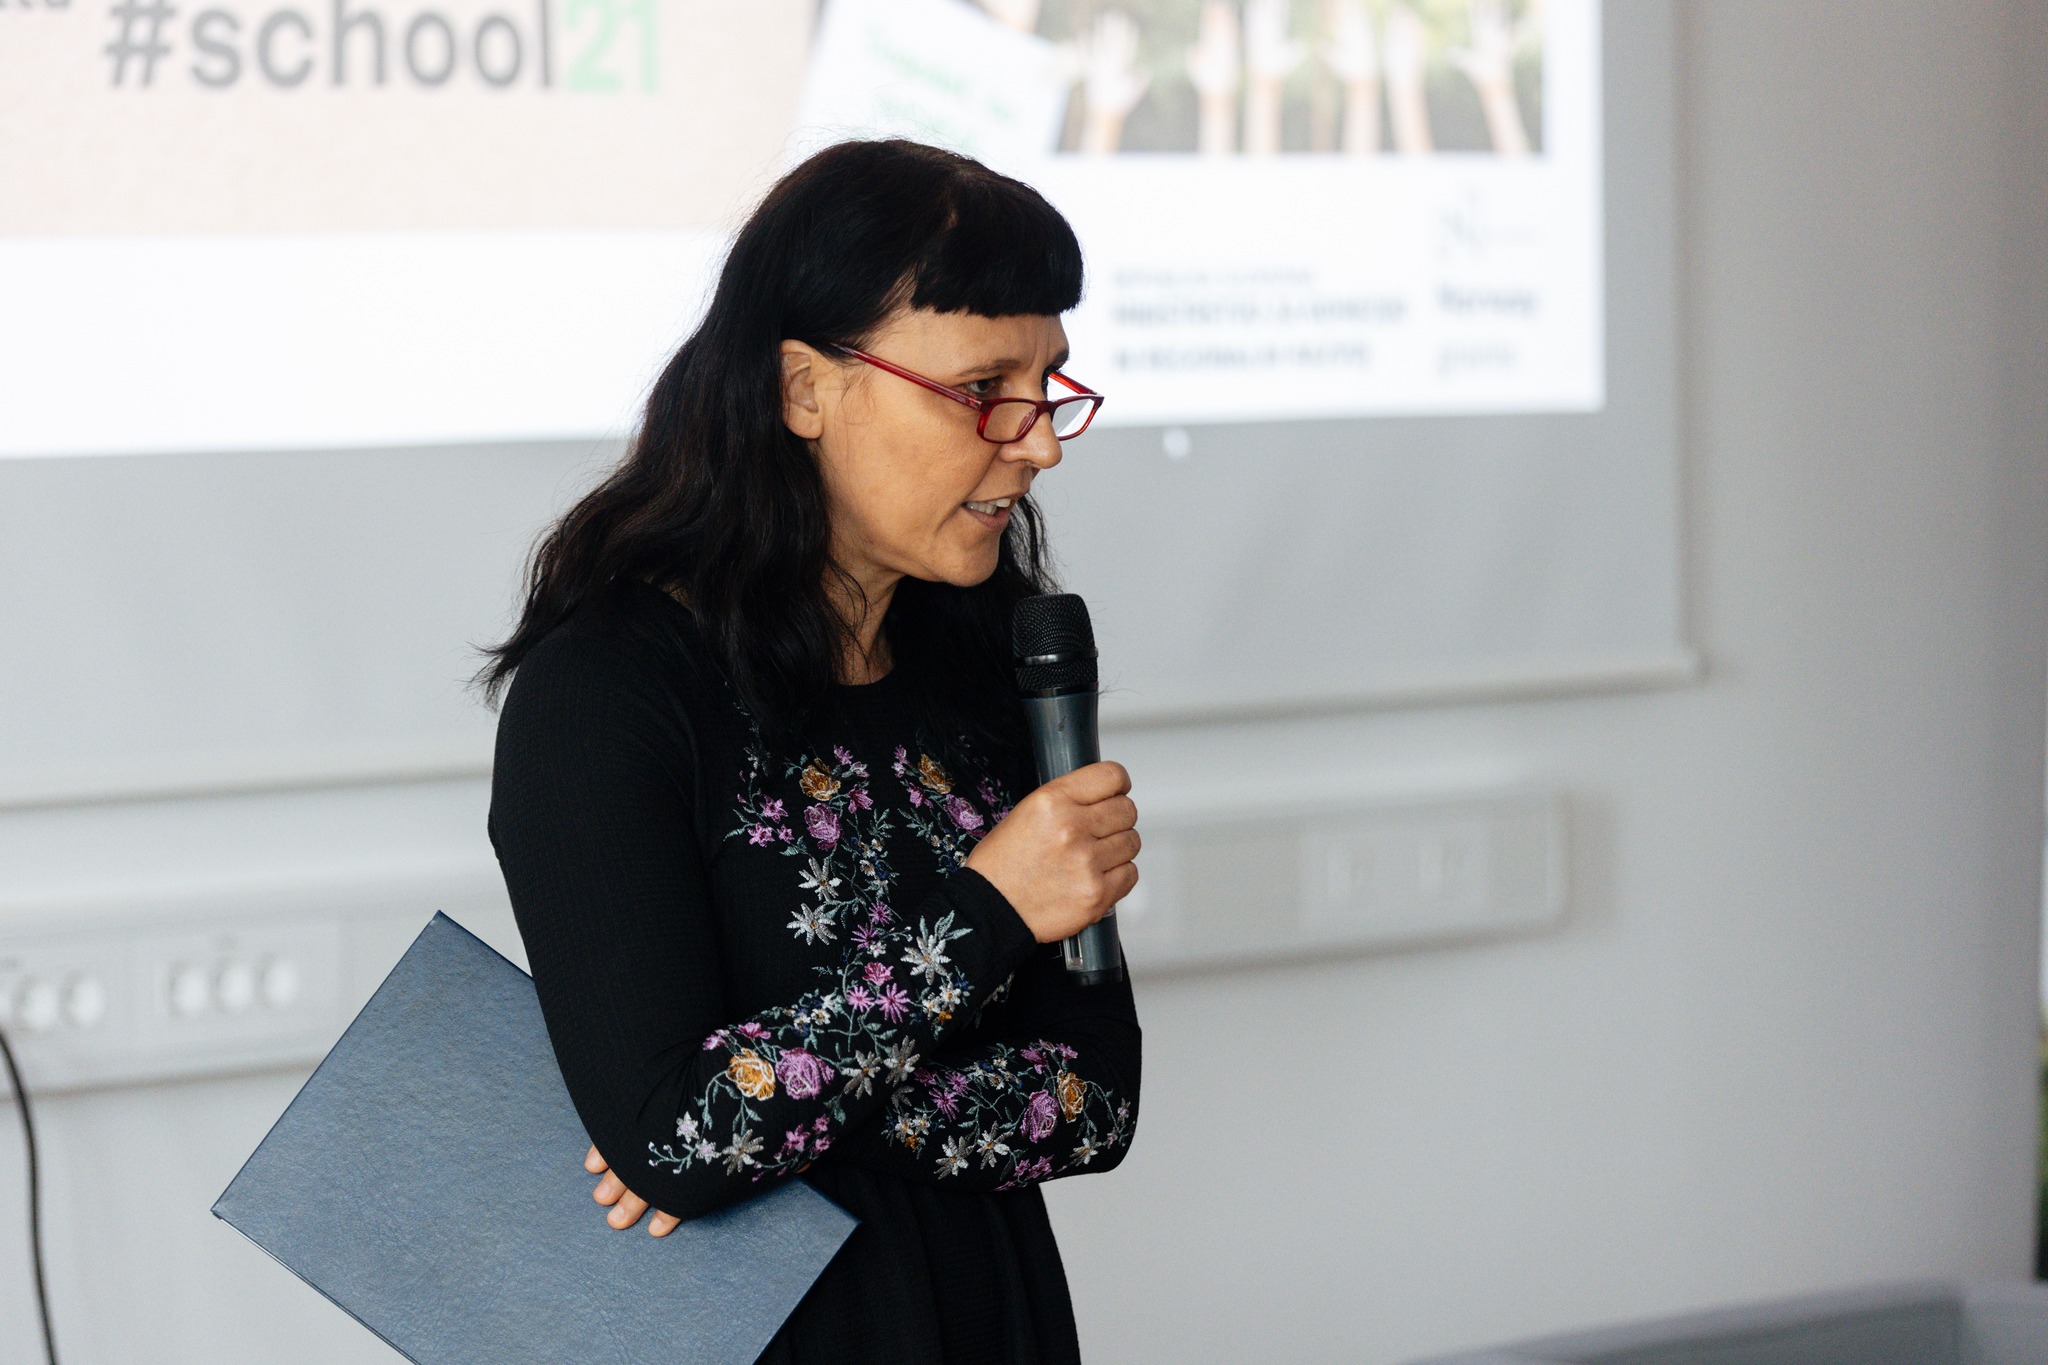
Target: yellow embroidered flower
1071 1093
818 784
752 1074
932 775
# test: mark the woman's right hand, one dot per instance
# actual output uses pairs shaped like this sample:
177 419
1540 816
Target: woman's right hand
1062 856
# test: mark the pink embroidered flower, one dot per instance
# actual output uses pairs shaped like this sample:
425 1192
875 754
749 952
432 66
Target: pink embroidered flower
715 1040
773 810
786 833
750 1029
916 797
1039 1116
859 799
760 834
857 998
823 823
880 913
803 1073
793 1141
877 973
895 1000
839 752
962 813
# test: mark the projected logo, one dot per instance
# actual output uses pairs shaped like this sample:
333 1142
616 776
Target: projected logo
153 116
610 45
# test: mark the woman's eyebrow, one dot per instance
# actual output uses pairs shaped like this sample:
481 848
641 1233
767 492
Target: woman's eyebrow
1010 363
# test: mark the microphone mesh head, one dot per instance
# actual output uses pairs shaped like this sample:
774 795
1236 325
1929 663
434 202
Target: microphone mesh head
1054 623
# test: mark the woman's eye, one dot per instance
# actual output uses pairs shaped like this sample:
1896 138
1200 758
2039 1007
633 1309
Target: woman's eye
985 388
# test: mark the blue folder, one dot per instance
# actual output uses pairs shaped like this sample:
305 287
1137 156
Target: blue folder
428 1179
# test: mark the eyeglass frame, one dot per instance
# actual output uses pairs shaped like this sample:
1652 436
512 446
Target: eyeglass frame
1045 407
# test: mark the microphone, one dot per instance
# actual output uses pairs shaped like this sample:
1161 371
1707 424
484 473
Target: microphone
1054 645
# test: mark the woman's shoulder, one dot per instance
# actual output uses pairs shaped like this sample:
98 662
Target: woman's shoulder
630 640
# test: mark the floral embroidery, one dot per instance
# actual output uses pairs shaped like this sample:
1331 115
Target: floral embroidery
850 1032
1016 1114
1017 1110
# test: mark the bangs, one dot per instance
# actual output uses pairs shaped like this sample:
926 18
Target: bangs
998 249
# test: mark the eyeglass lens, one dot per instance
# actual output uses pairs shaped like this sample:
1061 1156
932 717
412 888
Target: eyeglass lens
1009 421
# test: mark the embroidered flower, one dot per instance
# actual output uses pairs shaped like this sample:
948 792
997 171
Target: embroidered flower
754 1077
954 1159
823 823
902 1061
894 1001
813 922
818 784
927 957
740 1151
990 1146
803 1074
1072 1093
1039 1116
934 777
962 813
862 1073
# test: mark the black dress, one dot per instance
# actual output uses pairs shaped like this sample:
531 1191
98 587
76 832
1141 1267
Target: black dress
757 967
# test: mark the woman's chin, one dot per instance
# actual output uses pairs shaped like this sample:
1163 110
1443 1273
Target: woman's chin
963 570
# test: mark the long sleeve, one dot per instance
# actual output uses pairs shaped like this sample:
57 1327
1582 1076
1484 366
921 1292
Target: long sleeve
1047 1087
592 819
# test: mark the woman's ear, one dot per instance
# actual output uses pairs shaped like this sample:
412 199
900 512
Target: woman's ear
802 368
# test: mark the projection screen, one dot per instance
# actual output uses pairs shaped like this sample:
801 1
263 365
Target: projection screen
1387 344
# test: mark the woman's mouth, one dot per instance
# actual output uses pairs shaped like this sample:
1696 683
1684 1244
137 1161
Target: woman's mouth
995 513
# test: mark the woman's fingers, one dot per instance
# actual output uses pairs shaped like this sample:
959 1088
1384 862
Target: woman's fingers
1111 816
1115 849
627 1211
1094 782
626 1206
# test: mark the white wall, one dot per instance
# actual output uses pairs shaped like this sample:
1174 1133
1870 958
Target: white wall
1787 1038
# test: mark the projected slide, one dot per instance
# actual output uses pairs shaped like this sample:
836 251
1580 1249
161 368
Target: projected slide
256 224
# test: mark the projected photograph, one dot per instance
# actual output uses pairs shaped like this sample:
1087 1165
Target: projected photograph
1328 76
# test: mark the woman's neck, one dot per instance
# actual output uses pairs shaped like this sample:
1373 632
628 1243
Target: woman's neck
868 659
872 660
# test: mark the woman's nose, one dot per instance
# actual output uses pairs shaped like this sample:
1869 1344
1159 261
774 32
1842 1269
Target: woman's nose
1037 446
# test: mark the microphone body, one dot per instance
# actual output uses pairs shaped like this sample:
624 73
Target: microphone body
1056 672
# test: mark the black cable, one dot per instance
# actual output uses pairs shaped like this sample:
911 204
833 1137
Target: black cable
35 1199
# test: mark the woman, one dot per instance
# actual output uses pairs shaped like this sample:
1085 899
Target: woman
763 800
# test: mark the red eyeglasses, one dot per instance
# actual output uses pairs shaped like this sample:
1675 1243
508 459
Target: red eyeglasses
1004 420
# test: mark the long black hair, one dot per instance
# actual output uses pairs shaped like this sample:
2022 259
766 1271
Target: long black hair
720 501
